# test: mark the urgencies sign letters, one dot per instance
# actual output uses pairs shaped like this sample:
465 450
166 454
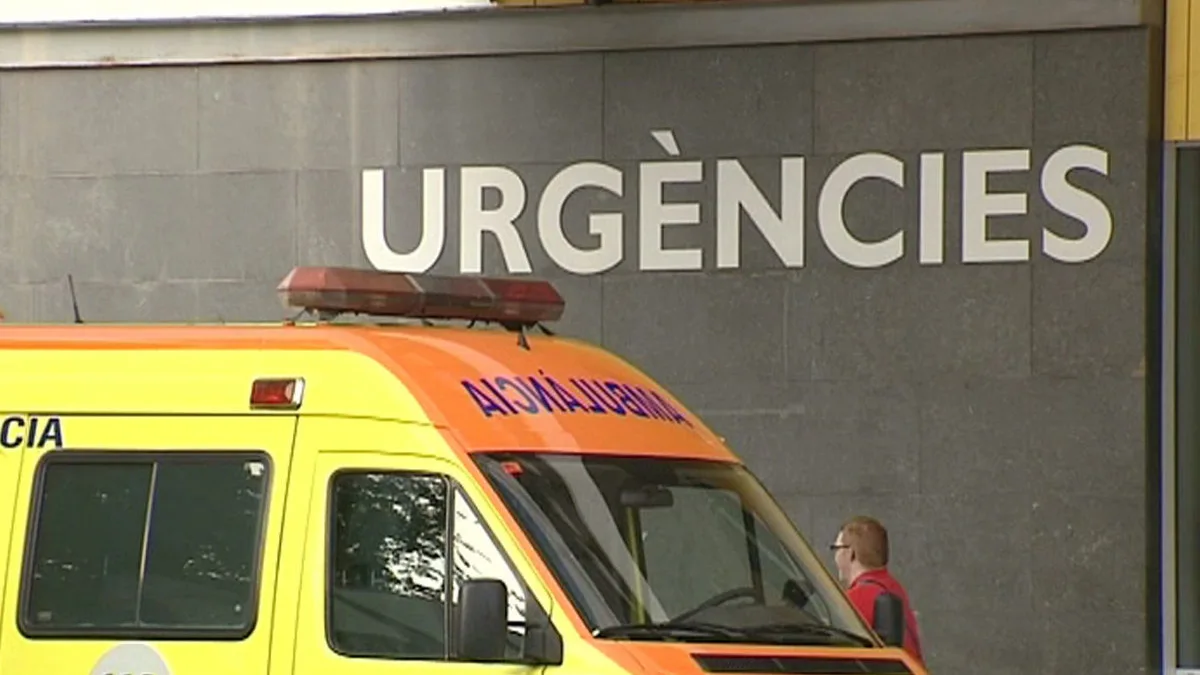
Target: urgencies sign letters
782 227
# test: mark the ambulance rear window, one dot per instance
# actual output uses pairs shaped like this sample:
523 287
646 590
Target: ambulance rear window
140 545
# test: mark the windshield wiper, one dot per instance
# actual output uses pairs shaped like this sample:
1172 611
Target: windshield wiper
698 630
668 629
808 629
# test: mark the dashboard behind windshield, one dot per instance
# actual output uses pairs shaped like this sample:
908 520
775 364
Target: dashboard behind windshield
639 541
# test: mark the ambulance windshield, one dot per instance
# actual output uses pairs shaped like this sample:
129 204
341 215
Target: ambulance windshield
659 549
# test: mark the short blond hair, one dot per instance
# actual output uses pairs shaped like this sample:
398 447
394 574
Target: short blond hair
868 538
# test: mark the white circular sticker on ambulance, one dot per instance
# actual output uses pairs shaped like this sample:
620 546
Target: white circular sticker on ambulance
133 657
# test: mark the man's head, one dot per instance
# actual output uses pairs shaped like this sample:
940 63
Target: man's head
861 546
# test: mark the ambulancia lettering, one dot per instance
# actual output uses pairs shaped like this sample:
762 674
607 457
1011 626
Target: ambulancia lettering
540 394
31 431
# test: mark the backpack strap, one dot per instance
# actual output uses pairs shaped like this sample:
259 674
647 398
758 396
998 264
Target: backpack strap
907 624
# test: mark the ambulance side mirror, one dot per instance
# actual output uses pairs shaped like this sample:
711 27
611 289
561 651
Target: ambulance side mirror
889 619
482 620
482 624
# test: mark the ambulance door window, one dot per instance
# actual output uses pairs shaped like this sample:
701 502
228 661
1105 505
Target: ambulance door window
388 560
393 557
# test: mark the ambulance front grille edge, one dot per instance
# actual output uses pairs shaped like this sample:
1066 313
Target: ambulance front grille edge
799 665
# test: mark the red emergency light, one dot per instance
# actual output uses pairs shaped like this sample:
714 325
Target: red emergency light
336 290
283 394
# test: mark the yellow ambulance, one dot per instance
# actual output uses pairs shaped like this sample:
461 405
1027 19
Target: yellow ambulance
441 487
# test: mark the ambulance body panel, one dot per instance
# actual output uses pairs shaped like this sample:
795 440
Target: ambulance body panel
458 379
252 491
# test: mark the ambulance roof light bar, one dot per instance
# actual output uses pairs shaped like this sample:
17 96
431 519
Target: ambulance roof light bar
329 291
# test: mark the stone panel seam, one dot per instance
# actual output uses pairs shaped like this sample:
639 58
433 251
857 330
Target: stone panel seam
258 171
1084 377
768 272
10 164
140 281
1028 555
603 313
741 412
915 151
297 218
1033 92
1029 329
3 95
812 102
199 107
604 104
399 75
788 376
918 392
1109 495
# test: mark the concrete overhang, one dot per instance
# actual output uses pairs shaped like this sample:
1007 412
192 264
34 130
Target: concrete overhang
521 30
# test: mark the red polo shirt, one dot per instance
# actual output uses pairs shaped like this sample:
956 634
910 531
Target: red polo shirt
867 587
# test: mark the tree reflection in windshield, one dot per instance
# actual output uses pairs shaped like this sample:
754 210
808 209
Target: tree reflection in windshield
638 541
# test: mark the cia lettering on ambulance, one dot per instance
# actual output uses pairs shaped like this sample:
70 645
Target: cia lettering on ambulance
541 393
31 431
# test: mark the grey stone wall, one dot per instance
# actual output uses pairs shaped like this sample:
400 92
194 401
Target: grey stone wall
991 414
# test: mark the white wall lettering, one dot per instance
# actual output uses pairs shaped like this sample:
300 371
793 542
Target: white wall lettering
832 200
933 208
1076 203
491 199
433 224
784 231
474 219
606 227
654 213
978 204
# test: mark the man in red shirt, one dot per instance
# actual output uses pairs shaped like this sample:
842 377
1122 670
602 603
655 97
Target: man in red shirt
861 556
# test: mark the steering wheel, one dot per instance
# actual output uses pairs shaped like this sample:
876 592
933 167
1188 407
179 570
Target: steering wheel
719 599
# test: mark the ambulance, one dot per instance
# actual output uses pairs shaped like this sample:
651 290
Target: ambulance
413 475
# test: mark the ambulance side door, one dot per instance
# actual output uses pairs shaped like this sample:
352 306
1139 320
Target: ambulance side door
11 453
375 590
148 545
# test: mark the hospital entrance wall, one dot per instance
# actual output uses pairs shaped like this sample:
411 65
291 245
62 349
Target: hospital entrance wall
939 319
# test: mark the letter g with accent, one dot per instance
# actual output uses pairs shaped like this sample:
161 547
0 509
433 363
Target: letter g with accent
607 227
830 206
